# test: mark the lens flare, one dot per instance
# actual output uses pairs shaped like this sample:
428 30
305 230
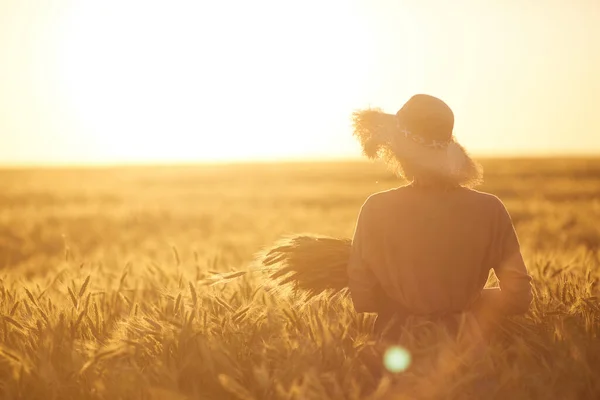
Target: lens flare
396 359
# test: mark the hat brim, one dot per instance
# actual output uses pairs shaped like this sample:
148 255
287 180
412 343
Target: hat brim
380 138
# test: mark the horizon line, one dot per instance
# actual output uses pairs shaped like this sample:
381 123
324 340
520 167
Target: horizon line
283 160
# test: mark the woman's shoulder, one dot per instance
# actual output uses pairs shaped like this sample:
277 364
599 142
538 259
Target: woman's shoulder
484 196
380 200
384 195
397 194
485 199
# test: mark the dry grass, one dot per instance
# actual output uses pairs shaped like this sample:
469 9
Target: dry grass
108 291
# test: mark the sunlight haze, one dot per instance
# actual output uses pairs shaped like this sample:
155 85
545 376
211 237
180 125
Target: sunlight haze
184 81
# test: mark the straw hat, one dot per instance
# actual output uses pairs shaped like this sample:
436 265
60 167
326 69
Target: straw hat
419 134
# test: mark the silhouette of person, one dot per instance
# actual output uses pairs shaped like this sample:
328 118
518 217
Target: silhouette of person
426 249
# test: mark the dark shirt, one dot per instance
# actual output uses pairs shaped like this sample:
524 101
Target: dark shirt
430 251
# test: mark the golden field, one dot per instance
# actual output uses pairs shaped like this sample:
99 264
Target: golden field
104 287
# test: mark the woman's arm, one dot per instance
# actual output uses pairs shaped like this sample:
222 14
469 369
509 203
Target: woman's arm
514 295
363 284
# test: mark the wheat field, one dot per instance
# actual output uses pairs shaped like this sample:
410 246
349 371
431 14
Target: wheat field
107 288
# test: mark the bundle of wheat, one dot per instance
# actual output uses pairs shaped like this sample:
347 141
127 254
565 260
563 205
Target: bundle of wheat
311 263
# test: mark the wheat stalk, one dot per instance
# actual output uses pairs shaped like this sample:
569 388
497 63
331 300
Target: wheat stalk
311 263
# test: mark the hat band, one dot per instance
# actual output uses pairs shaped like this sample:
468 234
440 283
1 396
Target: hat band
435 144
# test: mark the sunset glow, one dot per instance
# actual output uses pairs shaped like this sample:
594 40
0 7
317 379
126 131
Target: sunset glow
172 82
133 81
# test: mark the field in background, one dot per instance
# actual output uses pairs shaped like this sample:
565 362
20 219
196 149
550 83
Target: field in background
103 295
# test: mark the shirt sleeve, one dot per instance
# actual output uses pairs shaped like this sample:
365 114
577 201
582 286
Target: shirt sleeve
362 282
515 293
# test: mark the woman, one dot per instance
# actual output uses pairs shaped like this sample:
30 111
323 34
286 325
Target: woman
425 249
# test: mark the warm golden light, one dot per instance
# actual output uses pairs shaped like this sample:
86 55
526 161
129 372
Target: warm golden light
200 81
85 81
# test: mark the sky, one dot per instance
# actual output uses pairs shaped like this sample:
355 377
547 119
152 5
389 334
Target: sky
124 81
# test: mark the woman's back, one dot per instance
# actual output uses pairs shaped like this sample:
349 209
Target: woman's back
430 250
